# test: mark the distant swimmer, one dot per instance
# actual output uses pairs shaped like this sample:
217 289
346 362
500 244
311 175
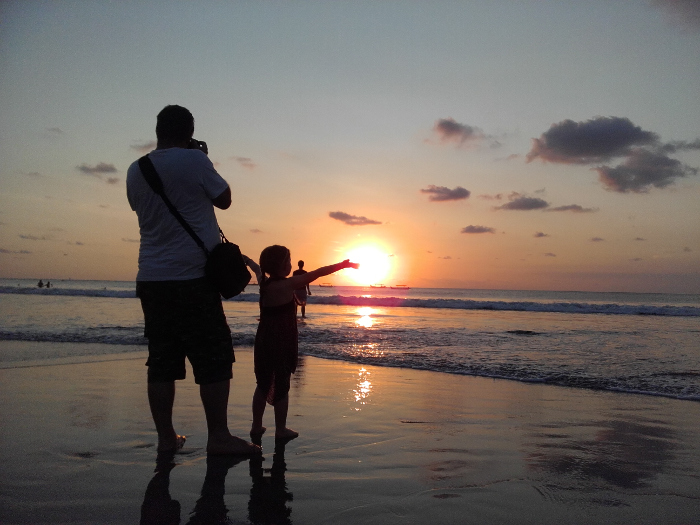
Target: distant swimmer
40 284
48 284
301 293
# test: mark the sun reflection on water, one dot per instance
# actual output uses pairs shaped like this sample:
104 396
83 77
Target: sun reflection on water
365 320
363 387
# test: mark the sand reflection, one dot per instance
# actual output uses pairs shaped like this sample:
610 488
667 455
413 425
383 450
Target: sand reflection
363 389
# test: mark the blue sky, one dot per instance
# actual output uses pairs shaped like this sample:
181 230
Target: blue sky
314 108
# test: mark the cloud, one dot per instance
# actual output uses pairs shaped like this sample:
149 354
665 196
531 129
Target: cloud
636 259
446 257
33 174
523 203
641 170
18 252
596 140
441 193
246 162
639 239
497 197
99 170
575 208
144 147
601 139
550 254
28 237
351 220
687 249
130 240
539 235
477 229
597 239
56 130
255 230
684 12
449 130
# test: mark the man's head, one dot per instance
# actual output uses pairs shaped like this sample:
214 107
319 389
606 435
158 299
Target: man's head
174 124
301 264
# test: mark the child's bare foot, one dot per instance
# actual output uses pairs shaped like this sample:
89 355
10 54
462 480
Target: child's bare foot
256 435
286 434
171 444
221 446
257 432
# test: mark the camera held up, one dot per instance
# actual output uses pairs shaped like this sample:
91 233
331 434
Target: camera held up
198 144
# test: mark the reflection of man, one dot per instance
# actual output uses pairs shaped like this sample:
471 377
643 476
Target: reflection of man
183 314
301 293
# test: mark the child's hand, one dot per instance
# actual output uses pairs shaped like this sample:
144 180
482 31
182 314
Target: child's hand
348 264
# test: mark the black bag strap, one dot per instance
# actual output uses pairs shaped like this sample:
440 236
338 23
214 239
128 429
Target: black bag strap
156 184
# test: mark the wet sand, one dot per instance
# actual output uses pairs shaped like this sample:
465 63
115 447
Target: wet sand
377 445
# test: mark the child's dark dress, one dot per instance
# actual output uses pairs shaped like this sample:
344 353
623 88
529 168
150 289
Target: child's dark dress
276 348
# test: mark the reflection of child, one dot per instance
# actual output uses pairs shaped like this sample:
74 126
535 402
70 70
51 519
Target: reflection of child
276 341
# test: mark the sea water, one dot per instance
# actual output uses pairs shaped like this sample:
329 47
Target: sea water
624 342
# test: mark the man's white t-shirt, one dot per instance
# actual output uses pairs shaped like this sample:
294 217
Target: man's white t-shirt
167 252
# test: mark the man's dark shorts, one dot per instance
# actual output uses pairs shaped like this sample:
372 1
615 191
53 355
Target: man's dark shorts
185 319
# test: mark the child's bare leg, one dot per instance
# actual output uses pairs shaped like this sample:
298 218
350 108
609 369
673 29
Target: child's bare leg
259 401
281 430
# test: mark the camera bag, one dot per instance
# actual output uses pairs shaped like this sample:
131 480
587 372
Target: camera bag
225 267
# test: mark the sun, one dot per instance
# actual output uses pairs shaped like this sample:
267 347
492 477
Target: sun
375 265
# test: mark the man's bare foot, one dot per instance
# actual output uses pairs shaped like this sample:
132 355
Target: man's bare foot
171 445
286 434
231 445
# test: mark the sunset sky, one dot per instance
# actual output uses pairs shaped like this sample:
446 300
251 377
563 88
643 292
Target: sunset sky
527 144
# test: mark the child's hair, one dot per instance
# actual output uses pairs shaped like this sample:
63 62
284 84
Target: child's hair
272 260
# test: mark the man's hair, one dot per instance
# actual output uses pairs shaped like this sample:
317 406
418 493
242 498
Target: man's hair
174 123
301 264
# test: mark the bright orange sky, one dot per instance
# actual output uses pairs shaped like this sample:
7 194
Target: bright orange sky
524 145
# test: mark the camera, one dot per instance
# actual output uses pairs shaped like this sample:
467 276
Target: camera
198 144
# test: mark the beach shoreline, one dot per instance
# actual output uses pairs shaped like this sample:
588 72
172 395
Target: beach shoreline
376 445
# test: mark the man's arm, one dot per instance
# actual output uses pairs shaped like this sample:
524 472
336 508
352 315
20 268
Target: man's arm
223 201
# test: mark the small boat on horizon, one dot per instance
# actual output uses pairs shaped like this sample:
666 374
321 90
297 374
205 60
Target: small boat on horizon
377 286
400 287
326 285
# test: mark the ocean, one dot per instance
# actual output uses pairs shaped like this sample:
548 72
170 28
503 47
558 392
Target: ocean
621 342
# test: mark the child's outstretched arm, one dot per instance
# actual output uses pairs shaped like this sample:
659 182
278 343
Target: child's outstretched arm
298 281
250 263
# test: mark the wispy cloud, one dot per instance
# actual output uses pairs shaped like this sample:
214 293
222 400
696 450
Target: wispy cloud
255 230
448 130
477 229
521 202
639 239
496 197
539 235
550 254
646 161
125 239
55 130
99 170
683 12
16 252
144 146
597 239
245 162
575 208
441 193
446 257
351 220
30 237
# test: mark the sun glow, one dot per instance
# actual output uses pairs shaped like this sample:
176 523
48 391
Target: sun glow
375 265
